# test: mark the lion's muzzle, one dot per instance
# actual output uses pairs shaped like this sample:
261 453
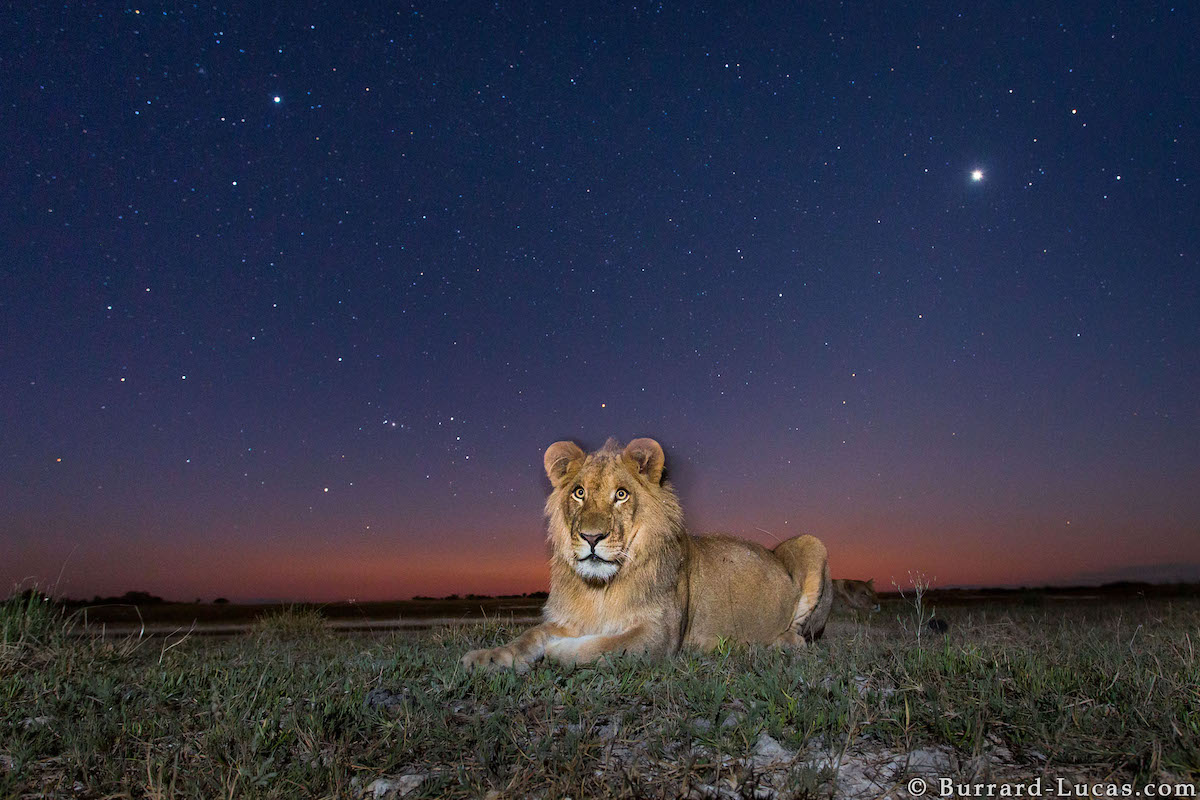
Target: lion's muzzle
593 537
596 557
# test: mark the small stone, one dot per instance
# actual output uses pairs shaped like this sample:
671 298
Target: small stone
769 752
608 732
1000 754
383 699
388 788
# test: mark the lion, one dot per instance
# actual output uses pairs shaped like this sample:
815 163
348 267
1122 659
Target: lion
626 577
856 594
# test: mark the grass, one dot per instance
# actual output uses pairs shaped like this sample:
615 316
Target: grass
1103 692
291 623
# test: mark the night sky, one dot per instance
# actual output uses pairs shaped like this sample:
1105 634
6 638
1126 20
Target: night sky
293 301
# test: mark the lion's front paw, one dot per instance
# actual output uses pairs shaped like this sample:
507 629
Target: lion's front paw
494 658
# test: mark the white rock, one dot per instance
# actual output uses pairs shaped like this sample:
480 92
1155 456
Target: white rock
387 788
929 760
768 752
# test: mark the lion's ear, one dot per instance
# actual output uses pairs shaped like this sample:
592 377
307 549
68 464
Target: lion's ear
647 458
871 583
561 458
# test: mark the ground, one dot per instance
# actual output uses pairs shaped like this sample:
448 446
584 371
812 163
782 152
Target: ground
1092 690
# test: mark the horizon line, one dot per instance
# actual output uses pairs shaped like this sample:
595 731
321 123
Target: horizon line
535 594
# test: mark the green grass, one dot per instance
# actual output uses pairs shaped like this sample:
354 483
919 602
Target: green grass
291 623
1106 691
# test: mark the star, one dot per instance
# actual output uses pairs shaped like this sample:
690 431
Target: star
278 99
976 175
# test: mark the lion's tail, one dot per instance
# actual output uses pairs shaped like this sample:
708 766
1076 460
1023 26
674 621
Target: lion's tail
807 561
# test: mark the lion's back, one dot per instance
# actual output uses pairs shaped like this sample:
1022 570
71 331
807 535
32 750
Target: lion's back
736 589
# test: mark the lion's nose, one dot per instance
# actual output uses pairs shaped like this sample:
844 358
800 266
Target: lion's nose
593 537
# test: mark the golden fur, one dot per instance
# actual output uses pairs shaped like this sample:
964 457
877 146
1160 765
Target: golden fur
855 594
626 577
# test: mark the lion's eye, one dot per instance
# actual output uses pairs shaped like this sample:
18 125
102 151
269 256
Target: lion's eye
622 495
578 493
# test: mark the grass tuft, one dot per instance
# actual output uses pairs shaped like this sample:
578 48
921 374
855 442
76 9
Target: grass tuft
295 623
29 622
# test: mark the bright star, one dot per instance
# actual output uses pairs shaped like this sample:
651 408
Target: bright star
278 99
977 175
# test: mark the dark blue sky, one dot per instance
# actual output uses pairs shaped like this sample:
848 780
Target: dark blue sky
294 300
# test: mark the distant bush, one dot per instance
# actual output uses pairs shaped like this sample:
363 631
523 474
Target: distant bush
220 601
129 598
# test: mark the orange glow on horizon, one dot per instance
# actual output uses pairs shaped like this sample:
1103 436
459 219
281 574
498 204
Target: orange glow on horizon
512 560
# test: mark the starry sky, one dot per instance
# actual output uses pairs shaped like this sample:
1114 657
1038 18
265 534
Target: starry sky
295 298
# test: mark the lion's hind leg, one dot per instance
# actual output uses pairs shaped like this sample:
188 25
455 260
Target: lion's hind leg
807 561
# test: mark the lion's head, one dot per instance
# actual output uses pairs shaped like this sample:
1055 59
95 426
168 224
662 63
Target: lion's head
856 594
611 509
